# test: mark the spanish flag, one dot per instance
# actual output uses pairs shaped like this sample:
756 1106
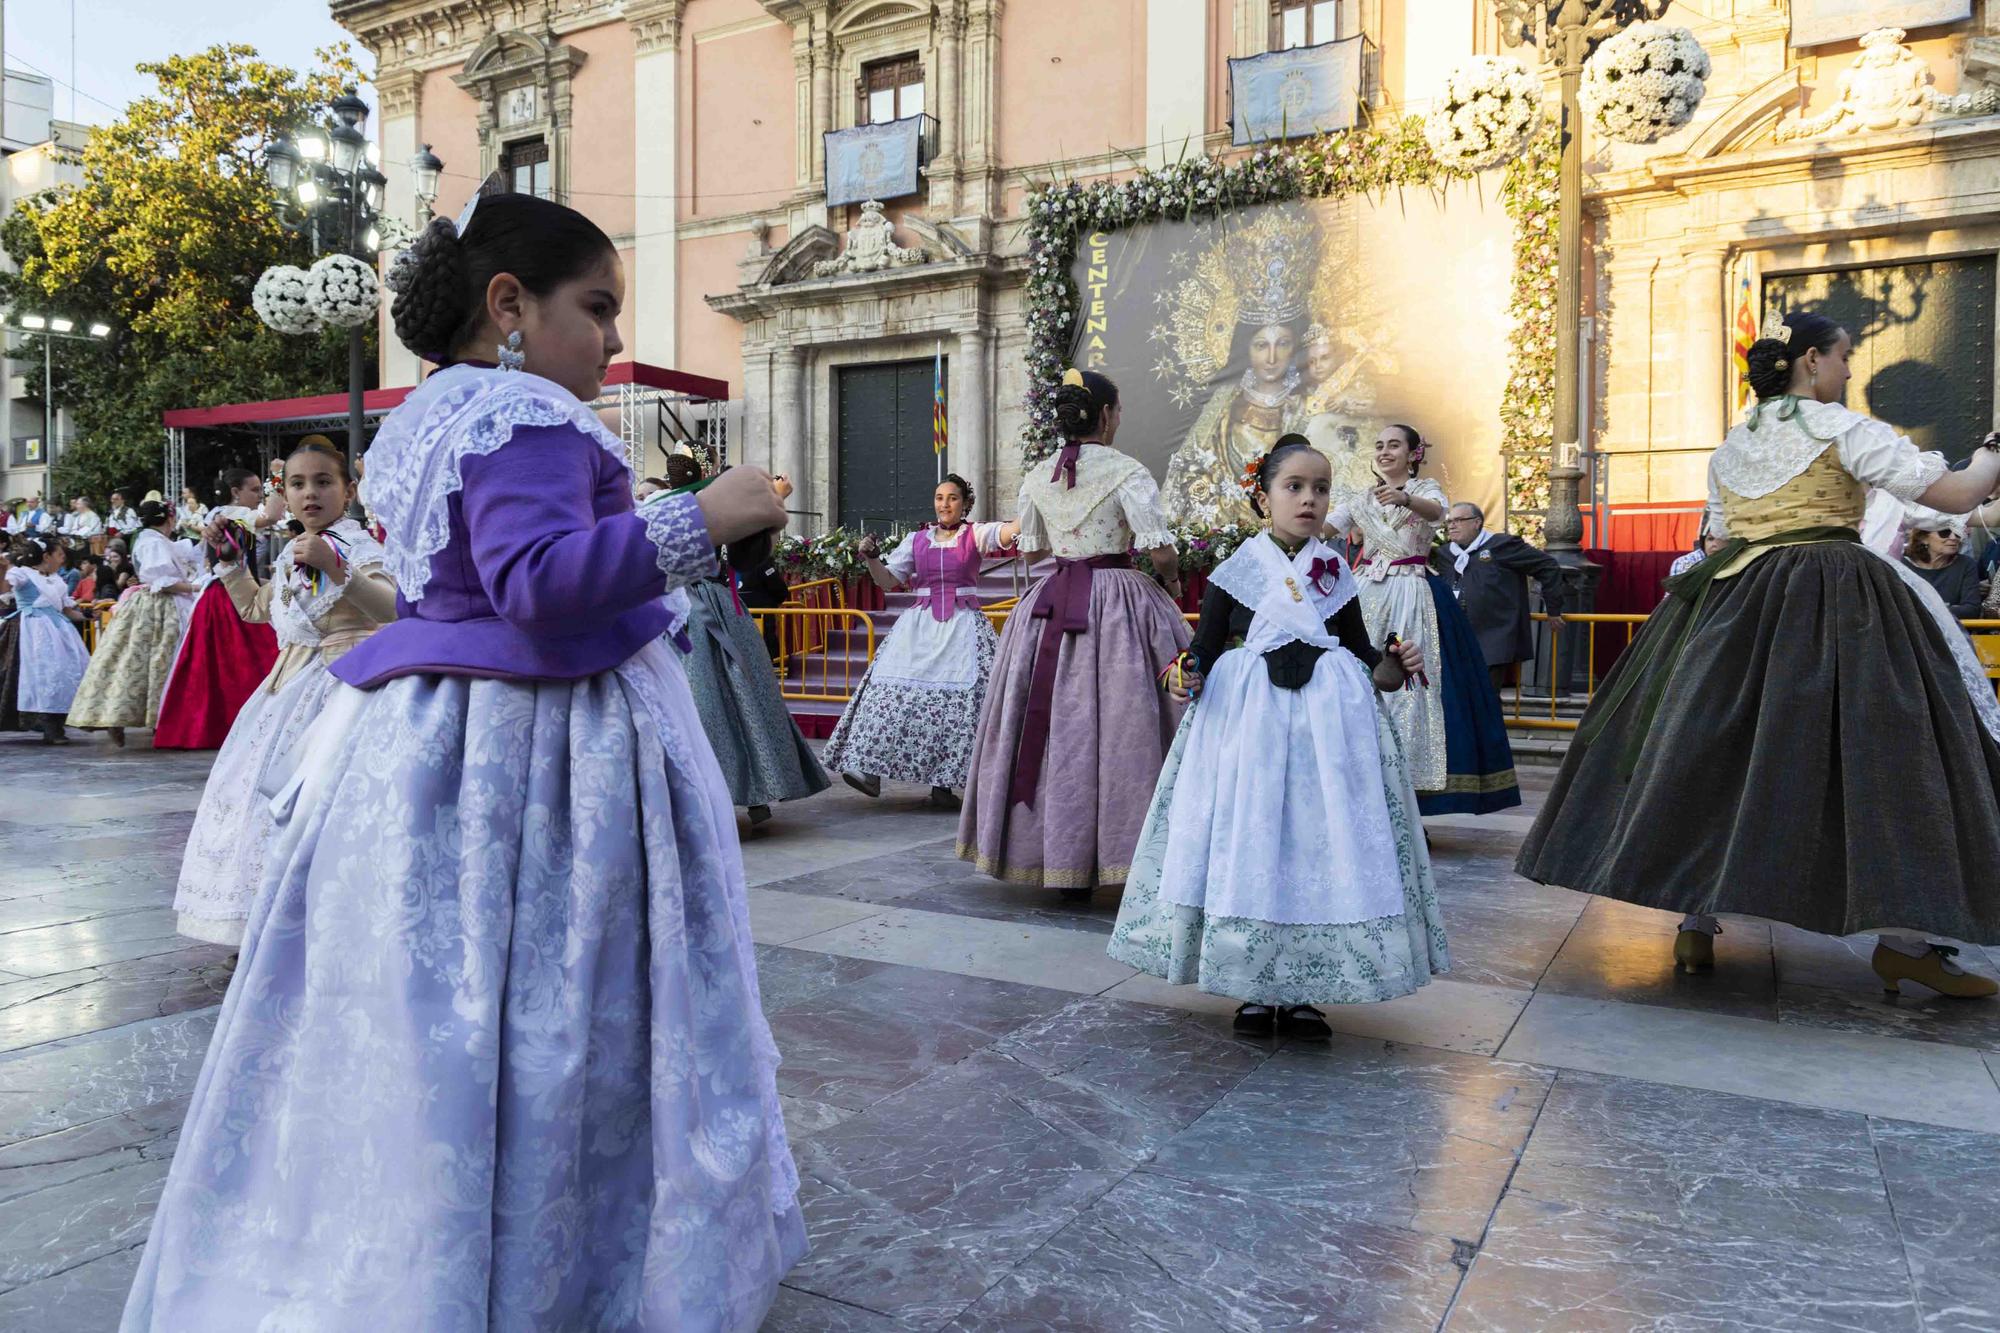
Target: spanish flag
938 428
1745 333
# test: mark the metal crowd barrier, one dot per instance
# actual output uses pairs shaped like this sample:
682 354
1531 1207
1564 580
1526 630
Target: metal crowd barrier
820 653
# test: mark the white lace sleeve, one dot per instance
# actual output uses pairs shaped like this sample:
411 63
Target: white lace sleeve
1875 455
1711 513
675 526
1139 496
1427 488
902 562
987 535
1034 533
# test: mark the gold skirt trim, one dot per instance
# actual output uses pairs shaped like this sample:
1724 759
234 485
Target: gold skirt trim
1037 877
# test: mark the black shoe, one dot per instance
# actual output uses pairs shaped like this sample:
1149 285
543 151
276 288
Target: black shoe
759 814
1255 1020
1075 895
1306 1023
865 783
944 798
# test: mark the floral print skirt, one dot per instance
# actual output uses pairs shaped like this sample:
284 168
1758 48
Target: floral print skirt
128 672
900 726
1265 962
493 1057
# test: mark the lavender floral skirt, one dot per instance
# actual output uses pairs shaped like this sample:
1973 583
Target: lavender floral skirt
1112 726
493 1057
899 724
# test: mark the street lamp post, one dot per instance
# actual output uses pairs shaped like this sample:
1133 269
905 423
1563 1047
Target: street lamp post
1574 29
49 328
330 190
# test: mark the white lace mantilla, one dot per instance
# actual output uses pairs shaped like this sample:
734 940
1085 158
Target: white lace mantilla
1781 438
1260 576
295 608
417 460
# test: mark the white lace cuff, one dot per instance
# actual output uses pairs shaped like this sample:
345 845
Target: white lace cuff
1913 474
680 536
1147 541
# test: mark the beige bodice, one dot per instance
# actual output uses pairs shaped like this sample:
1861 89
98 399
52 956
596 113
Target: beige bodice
1824 495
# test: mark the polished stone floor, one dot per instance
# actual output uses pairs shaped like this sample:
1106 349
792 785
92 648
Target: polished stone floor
1000 1129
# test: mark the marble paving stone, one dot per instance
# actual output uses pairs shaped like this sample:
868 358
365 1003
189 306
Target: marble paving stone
77 903
89 1149
789 977
855 1045
1945 1185
66 1004
882 879
56 1229
1126 1076
974 895
1912 1080
921 1204
76 945
797 1311
1031 955
1710 1164
1626 954
1553 1266
72 838
805 1117
1503 944
1917 1014
86 1299
1401 1137
1160 1255
80 1079
781 918
141 863
1448 1014
1993 1067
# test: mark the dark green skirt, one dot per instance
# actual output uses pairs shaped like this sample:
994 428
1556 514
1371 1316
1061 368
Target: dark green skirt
1815 759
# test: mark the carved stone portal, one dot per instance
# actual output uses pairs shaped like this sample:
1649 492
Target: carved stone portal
871 247
1888 87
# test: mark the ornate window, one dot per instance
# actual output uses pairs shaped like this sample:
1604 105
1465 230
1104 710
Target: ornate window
1308 22
890 90
521 83
525 168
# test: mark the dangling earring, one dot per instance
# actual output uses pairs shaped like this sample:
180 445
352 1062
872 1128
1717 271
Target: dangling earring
510 353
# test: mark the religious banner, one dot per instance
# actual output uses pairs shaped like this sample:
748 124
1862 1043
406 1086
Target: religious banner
873 161
1293 94
1819 22
1330 318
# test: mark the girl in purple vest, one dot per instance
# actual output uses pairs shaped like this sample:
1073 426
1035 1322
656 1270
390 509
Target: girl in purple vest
914 717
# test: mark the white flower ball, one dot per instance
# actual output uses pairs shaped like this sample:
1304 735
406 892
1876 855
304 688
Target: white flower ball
343 291
1644 82
1490 108
280 300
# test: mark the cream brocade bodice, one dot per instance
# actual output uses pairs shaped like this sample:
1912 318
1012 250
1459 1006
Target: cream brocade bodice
1822 496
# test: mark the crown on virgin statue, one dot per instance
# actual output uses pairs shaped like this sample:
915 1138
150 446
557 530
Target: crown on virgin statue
1276 257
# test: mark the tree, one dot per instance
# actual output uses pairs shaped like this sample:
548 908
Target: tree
163 240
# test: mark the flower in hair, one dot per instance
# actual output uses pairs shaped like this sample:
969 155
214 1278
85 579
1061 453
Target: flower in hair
1253 473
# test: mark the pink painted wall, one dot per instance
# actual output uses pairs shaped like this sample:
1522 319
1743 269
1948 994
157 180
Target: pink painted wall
738 110
710 342
448 122
600 141
1070 86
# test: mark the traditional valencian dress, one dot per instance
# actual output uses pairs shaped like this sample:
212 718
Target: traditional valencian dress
51 655
493 1055
10 664
1282 861
917 710
1801 731
135 655
1454 736
223 658
1075 728
316 622
764 756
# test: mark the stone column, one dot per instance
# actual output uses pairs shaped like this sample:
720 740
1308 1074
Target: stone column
400 97
970 451
656 167
788 426
1704 358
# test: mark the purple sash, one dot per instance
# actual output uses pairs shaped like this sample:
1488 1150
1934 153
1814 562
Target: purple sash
1064 608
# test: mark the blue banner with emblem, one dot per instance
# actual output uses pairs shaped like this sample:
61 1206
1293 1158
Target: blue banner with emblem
1292 94
873 161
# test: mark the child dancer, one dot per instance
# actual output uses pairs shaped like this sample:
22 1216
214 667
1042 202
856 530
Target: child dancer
493 1055
225 654
327 593
1290 869
763 754
917 709
52 655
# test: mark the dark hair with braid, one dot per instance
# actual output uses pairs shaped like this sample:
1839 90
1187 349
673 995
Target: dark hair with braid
1080 408
441 280
1267 466
1769 362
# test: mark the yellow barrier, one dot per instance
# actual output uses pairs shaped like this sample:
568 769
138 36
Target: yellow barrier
822 652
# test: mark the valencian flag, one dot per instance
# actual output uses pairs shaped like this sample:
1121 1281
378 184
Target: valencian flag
1743 335
938 429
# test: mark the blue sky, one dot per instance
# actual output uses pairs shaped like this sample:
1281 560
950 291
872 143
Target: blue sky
114 35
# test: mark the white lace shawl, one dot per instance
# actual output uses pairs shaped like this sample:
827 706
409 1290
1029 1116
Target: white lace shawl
1077 521
416 463
295 609
1768 449
1278 591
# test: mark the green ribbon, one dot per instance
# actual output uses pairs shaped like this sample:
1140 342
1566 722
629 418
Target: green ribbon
1668 632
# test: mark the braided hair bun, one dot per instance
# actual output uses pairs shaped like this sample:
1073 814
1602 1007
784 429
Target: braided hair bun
1080 408
1769 362
430 284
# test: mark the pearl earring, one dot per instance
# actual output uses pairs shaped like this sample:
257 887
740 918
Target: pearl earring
510 354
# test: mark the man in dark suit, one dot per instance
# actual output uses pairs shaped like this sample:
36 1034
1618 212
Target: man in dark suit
1490 571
